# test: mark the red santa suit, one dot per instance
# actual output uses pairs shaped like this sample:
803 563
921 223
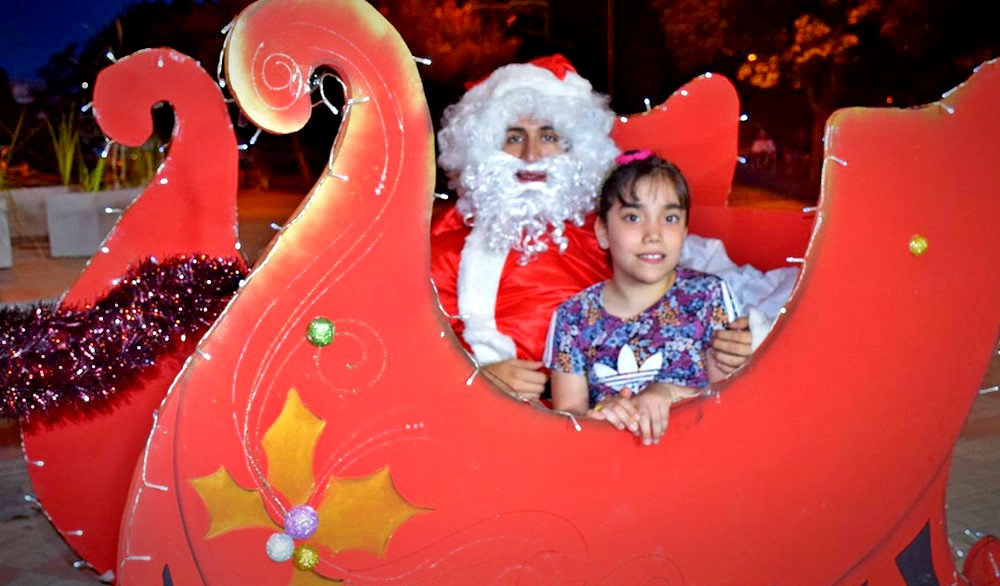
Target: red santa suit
527 294
502 296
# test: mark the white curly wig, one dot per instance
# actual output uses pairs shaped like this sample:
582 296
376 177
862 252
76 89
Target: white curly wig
473 129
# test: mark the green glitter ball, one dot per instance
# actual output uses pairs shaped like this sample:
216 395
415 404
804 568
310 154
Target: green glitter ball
320 331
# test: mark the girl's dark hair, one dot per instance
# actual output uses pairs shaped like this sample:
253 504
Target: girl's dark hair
621 183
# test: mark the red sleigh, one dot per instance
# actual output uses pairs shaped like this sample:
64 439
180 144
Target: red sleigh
824 461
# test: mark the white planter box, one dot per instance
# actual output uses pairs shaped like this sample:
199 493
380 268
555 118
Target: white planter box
27 215
78 221
6 260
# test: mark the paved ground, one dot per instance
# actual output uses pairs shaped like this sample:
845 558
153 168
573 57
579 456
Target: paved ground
32 554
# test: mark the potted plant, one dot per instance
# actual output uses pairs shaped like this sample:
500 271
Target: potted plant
12 219
80 216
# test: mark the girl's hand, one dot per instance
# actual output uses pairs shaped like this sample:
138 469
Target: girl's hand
653 407
619 411
648 412
731 346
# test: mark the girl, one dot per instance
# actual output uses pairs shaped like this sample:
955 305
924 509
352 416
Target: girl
625 349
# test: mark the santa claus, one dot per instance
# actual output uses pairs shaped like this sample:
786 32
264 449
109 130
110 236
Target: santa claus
526 150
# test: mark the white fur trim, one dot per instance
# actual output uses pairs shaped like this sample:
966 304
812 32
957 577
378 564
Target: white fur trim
524 75
479 271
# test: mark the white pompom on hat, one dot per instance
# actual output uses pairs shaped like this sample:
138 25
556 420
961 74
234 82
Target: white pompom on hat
547 89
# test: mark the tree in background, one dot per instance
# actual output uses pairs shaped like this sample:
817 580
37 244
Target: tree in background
462 44
835 52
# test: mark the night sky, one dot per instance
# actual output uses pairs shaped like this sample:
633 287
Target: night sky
31 30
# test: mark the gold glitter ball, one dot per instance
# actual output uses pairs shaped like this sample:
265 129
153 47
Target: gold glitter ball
305 557
918 245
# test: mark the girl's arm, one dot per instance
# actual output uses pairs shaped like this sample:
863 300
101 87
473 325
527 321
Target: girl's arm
570 393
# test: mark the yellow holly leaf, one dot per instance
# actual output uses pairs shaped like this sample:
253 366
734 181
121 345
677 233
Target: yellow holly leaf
362 513
229 505
290 444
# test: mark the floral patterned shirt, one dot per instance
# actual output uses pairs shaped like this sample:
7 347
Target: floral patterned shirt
664 343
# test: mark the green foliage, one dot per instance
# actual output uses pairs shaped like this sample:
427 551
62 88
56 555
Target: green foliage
91 179
7 151
135 166
65 143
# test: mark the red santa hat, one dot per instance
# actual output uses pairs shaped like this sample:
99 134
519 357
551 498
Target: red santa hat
548 89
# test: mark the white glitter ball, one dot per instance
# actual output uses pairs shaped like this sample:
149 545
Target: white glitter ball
280 547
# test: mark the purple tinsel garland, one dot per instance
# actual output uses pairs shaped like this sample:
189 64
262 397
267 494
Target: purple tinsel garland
57 363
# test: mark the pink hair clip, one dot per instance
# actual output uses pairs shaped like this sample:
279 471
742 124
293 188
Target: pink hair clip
633 156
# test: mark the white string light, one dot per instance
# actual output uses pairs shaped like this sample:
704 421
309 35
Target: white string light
443 196
84 108
252 141
955 548
795 260
946 108
111 56
837 160
810 210
219 77
647 103
572 419
145 484
422 60
472 377
318 83
989 390
204 354
441 308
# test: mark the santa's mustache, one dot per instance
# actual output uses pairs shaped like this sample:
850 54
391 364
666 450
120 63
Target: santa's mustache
525 206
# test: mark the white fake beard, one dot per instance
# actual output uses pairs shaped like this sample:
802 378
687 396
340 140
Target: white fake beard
518 215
